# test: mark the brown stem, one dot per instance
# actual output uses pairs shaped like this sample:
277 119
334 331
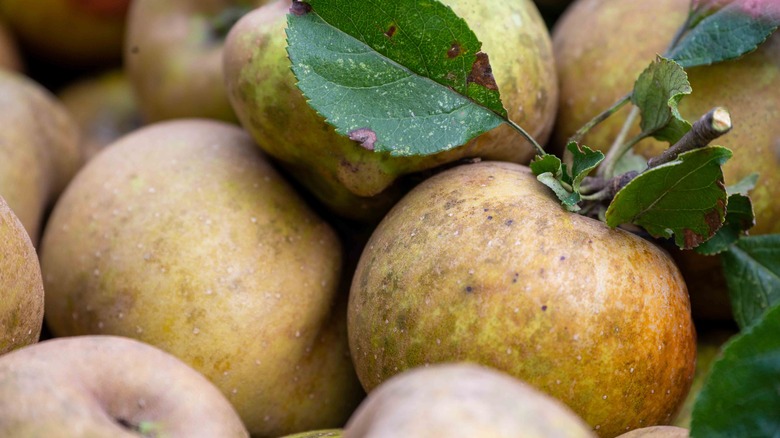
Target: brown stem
709 127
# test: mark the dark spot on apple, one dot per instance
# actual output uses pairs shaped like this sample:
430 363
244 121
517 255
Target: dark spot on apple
454 50
300 8
469 289
562 258
544 308
490 218
517 275
134 50
482 72
484 209
509 222
365 136
390 31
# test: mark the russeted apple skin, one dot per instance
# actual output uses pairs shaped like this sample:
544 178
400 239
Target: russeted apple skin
598 63
181 235
459 400
21 285
174 59
350 179
480 263
71 33
39 148
84 386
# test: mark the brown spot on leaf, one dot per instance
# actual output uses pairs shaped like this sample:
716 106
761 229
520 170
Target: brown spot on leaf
365 136
390 31
692 239
454 50
300 8
482 72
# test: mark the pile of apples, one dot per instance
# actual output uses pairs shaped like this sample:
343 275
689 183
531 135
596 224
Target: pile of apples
188 249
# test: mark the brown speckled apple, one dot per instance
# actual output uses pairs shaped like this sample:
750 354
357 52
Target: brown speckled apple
181 235
345 176
21 286
460 400
107 386
481 263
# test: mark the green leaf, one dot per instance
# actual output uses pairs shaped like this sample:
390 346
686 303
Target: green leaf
405 77
735 29
547 163
752 270
741 396
584 160
685 198
743 186
657 92
739 219
630 161
568 199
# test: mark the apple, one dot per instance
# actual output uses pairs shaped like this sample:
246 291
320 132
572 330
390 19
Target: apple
481 263
70 33
103 106
329 433
351 180
657 432
173 56
9 53
39 148
461 400
180 234
93 386
21 285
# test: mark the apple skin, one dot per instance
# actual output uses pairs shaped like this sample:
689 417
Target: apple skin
39 148
345 176
104 107
598 64
88 386
71 33
173 56
21 285
9 53
461 400
181 235
330 433
480 263
657 432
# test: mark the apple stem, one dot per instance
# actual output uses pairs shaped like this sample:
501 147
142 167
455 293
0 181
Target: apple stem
539 150
709 127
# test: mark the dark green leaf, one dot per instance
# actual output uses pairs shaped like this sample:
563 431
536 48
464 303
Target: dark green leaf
744 186
584 160
741 396
739 219
657 92
752 269
737 28
685 198
546 163
405 77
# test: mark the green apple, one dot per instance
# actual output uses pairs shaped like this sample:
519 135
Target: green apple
345 176
71 33
21 285
461 400
181 235
173 56
481 263
9 53
39 148
104 107
107 386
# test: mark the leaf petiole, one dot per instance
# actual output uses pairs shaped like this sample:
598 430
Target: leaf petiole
539 150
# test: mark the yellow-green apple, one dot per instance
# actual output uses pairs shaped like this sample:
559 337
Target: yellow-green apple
461 400
180 234
340 172
9 53
70 33
101 386
481 263
104 107
173 56
39 148
21 285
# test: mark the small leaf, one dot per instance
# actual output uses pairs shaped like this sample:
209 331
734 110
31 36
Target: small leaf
685 198
739 219
734 29
546 163
741 396
752 270
405 77
584 160
568 199
630 161
657 92
743 186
